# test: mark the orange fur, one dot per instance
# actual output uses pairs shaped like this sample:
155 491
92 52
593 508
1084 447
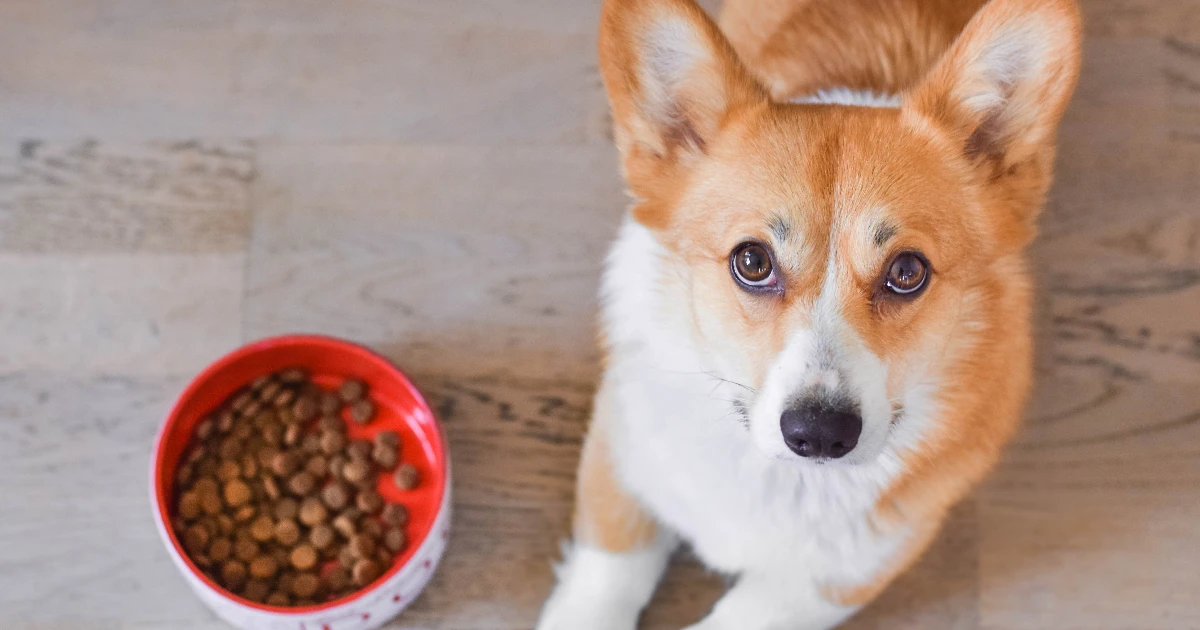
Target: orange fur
720 162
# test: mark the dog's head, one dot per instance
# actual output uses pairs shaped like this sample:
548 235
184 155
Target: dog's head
840 261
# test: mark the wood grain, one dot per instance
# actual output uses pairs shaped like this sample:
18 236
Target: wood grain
434 179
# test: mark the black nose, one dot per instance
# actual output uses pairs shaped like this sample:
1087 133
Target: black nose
820 431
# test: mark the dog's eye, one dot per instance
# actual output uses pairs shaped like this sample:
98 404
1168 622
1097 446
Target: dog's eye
752 266
907 274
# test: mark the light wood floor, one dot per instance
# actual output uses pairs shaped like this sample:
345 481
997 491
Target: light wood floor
433 178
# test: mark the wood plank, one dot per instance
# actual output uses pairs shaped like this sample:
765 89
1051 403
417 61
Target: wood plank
467 261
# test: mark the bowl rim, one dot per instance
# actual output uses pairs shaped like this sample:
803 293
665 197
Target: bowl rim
158 493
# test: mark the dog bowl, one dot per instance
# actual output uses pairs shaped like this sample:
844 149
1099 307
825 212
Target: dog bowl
400 408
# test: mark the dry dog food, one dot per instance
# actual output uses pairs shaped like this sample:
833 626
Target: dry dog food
277 504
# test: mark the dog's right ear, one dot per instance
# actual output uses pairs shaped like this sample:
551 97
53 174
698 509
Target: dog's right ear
672 78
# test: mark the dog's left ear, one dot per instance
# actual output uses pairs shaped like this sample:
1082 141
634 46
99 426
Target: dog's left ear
1004 84
672 79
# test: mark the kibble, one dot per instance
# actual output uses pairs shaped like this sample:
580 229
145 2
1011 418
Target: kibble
272 488
362 411
313 512
352 390
407 476
304 557
365 571
263 567
336 495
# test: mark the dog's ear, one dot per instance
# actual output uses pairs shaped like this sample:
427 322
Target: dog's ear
672 79
1004 84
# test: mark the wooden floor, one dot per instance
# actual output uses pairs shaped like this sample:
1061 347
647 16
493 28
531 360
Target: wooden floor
433 178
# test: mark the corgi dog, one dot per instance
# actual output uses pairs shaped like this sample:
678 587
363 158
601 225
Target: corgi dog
817 310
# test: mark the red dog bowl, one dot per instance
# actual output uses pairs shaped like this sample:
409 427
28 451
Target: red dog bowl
400 408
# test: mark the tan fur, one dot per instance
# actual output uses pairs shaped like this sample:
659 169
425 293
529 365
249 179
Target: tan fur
715 167
606 517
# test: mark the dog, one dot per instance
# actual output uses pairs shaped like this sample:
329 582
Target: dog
816 313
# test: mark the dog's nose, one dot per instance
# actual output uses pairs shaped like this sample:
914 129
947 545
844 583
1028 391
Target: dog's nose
819 431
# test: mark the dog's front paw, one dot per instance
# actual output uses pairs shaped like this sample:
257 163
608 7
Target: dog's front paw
570 609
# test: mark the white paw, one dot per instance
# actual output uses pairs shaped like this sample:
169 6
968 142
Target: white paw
569 611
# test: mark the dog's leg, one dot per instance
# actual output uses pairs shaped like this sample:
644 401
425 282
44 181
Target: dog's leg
619 553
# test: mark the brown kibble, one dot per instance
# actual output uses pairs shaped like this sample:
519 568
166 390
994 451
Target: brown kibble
224 524
241 401
278 598
407 476
362 411
256 591
259 383
249 468
359 449
245 513
388 438
305 585
317 466
284 463
286 508
372 528
384 556
189 506
292 434
369 501
384 455
394 539
207 468
287 533
332 442
293 375
345 525
211 503
233 574
237 493
206 486
282 556
337 579
336 495
352 390
262 528
271 487
330 404
356 470
220 549
304 410
313 512
394 514
284 398
206 428
304 557
195 538
265 457
336 464
252 409
365 571
263 567
272 433
321 536
231 447
345 558
311 443
302 483
284 583
362 546
185 474
225 422
268 393
228 470
245 549
331 423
